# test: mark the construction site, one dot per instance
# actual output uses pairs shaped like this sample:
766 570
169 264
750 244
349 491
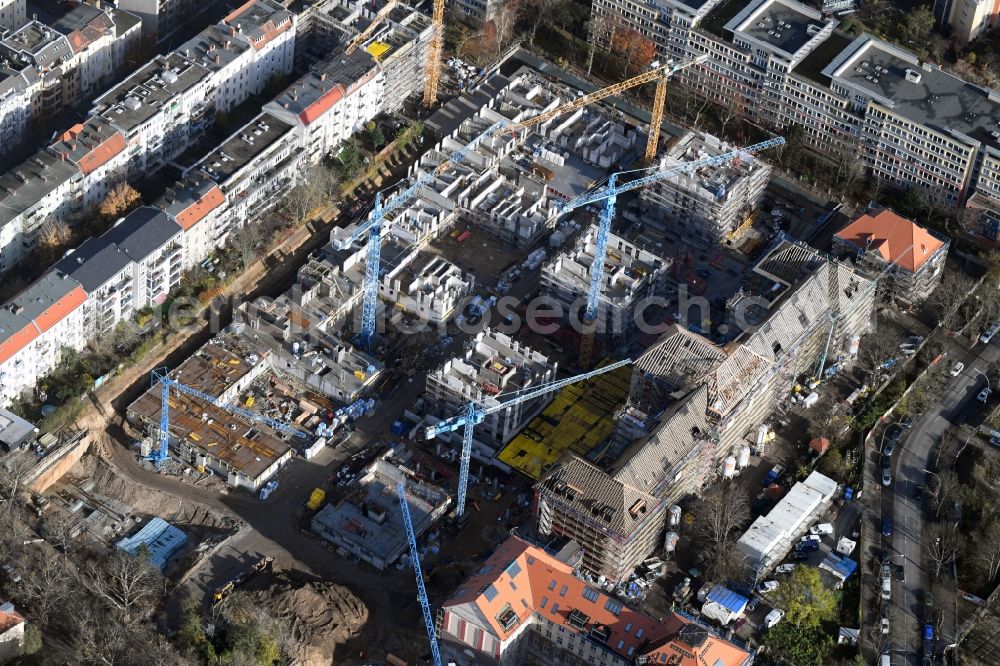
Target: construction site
401 403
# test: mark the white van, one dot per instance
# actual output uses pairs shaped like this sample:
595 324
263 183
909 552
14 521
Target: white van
773 618
989 333
821 529
887 588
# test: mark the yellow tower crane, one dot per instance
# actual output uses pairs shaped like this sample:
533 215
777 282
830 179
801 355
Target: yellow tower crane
360 38
656 119
660 72
434 54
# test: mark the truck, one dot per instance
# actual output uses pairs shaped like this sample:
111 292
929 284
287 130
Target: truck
773 475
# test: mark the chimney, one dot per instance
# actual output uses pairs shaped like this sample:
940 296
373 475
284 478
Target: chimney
232 31
218 58
322 77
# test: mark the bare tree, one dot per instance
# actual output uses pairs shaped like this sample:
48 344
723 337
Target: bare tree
45 583
941 543
719 513
535 13
949 295
12 474
947 487
500 31
988 551
124 582
726 113
875 349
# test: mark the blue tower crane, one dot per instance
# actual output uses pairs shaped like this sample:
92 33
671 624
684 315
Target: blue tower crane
425 604
609 194
474 414
371 227
160 376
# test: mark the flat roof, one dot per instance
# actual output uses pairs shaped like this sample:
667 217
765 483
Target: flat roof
14 430
782 25
243 147
936 99
326 84
213 48
142 95
93 263
23 187
38 43
142 232
811 67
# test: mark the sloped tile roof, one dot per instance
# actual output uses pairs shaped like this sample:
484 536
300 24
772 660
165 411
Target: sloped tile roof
895 238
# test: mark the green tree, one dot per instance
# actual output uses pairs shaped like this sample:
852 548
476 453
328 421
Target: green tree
807 602
915 26
373 135
349 160
809 646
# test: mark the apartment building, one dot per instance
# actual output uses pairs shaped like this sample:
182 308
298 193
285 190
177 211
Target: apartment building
910 258
332 102
477 10
198 207
253 168
107 276
968 19
99 151
398 43
155 244
269 28
162 19
42 188
46 51
711 205
631 275
525 605
162 108
35 327
779 62
19 84
493 363
13 14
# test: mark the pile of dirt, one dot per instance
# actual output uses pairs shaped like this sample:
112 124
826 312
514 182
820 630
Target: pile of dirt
320 615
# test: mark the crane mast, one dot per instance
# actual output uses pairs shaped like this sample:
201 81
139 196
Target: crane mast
161 377
425 604
433 73
474 414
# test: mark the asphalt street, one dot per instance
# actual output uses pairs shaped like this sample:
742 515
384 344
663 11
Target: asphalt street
908 517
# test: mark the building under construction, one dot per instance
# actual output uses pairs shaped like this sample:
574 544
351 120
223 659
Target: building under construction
708 206
368 523
796 308
246 454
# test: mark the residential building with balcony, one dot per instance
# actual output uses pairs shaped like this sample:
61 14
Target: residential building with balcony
253 168
35 327
107 276
155 244
398 43
99 151
43 187
332 102
526 605
162 109
49 53
199 208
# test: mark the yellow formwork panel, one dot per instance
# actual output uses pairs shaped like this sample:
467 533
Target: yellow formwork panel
578 419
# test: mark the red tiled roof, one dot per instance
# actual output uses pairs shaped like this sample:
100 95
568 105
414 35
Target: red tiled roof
197 211
270 32
526 580
322 105
58 310
892 236
18 341
9 620
102 154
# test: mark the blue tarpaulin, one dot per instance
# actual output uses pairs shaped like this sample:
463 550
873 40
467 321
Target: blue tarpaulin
840 566
160 537
727 598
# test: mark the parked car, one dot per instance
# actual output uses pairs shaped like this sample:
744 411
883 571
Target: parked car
887 527
900 572
810 537
886 472
928 641
890 446
773 475
785 568
885 626
984 395
807 546
886 588
821 529
956 369
767 586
